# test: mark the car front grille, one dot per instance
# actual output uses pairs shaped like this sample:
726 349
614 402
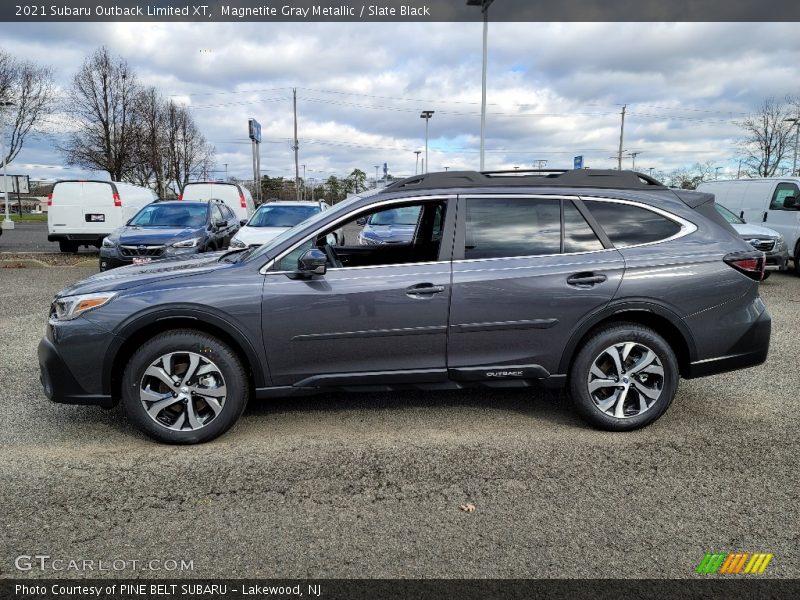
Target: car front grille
765 245
132 251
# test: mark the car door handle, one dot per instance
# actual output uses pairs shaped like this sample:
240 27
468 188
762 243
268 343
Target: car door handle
586 279
424 289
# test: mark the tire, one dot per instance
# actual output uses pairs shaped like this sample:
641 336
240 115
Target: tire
67 246
796 260
601 407
766 275
209 403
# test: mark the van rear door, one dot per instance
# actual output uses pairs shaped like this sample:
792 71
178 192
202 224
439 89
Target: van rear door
82 208
100 206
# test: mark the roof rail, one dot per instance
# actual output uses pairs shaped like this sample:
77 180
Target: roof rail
591 178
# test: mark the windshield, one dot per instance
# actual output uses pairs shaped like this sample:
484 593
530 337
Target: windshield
728 215
281 215
405 215
171 215
267 249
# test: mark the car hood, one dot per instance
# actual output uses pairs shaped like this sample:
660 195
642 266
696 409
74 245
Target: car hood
132 276
153 236
748 231
258 235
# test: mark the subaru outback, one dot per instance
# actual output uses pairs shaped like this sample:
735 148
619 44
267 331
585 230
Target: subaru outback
604 282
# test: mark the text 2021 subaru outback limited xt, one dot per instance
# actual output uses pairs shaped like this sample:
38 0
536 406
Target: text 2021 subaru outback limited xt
603 281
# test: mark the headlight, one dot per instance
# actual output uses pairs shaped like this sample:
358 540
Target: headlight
780 244
69 307
187 243
237 243
107 243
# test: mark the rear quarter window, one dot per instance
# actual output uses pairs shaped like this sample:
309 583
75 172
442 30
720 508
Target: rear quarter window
627 225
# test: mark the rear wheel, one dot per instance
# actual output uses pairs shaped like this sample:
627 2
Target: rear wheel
624 377
184 387
68 246
796 260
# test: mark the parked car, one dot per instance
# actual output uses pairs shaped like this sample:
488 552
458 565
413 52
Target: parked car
773 203
605 282
167 230
394 226
82 213
273 218
237 197
765 239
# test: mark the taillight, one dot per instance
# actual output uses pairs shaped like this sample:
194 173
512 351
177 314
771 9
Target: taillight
50 199
117 200
752 264
241 199
180 196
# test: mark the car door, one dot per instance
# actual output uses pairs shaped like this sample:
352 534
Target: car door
219 232
383 322
520 285
785 221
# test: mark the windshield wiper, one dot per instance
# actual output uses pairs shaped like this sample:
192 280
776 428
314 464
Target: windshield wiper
231 252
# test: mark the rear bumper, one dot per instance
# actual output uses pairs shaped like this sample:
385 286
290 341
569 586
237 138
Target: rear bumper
58 381
750 350
87 238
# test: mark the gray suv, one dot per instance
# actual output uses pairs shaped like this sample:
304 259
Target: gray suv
605 282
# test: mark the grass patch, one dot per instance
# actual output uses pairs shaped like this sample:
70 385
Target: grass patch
26 217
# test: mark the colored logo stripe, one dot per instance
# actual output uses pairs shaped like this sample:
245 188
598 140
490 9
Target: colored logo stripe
733 563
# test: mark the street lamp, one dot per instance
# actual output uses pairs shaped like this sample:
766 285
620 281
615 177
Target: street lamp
416 164
484 4
796 124
541 162
426 114
7 222
716 172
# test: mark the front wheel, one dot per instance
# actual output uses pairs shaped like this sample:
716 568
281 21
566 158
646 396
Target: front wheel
184 387
67 246
624 377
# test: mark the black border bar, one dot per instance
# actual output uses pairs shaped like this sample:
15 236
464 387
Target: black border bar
371 11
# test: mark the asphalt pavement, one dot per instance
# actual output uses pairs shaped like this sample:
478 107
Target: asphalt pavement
364 486
31 236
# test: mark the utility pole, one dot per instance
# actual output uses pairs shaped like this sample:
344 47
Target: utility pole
296 147
416 164
484 5
621 138
226 171
540 163
304 183
376 175
633 156
739 170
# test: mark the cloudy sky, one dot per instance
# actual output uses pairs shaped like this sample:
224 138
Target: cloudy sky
555 90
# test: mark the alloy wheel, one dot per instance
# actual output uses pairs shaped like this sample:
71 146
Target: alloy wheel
183 391
626 380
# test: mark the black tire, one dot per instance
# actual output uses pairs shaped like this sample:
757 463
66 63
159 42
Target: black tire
796 260
211 350
766 275
67 246
594 350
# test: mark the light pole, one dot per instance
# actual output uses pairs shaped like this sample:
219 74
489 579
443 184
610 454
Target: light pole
633 156
796 124
416 164
484 4
426 114
7 222
376 175
445 169
541 163
716 172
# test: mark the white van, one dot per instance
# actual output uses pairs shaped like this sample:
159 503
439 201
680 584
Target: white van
237 197
773 203
82 213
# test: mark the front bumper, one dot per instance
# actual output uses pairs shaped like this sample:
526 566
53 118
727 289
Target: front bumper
749 350
58 382
111 258
777 261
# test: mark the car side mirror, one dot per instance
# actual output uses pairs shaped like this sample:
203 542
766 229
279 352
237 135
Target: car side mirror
790 202
361 221
242 222
313 262
221 223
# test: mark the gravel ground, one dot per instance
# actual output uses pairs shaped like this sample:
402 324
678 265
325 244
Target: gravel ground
370 485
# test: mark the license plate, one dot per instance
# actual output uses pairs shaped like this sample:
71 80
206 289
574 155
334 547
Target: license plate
95 218
141 260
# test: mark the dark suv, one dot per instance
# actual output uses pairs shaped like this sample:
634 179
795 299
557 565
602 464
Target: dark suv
169 229
603 281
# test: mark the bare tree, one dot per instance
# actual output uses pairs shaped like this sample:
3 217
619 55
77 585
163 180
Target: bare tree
30 89
151 157
103 99
767 140
190 155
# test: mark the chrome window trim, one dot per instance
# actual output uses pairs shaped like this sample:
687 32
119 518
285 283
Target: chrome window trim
349 217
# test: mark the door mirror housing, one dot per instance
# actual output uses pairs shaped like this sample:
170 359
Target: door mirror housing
361 221
790 202
222 223
242 222
314 262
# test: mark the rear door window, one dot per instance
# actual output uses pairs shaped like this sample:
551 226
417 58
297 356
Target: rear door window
509 227
628 225
578 235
